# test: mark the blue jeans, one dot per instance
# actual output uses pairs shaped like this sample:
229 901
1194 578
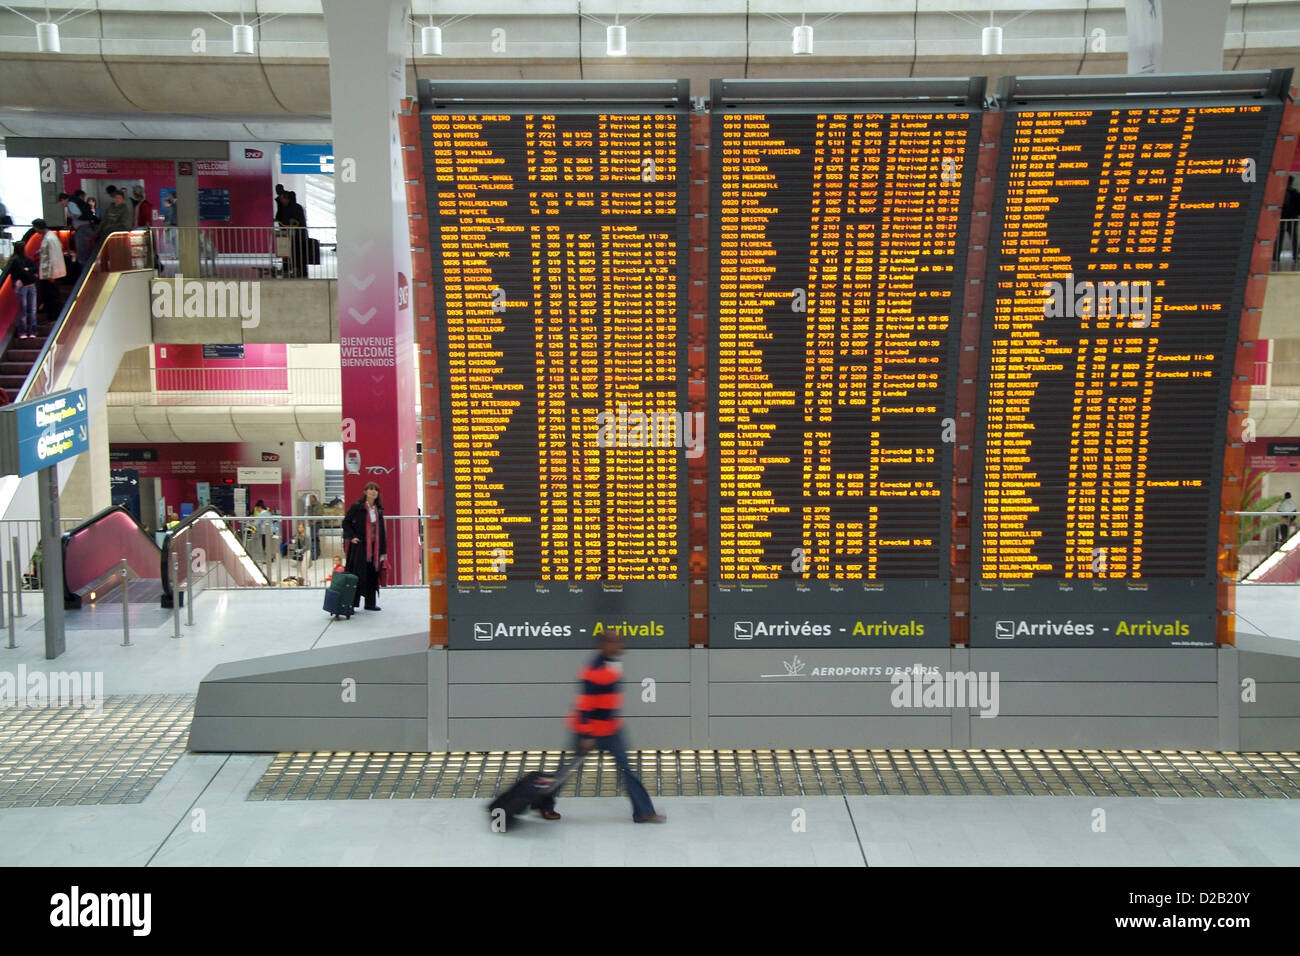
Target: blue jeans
27 310
641 805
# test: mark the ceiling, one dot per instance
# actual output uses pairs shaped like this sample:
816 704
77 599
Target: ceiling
132 69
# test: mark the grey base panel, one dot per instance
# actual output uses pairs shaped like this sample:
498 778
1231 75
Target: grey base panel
553 701
278 734
643 733
1273 699
1096 732
1111 698
319 701
839 733
1105 664
562 666
1270 733
804 700
1272 720
367 696
1268 667
409 697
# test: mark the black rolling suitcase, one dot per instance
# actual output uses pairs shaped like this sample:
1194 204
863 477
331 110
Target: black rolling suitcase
520 796
341 594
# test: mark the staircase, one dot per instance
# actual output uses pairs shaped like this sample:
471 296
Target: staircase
333 485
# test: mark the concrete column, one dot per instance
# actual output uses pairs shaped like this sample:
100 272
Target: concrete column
1176 36
51 211
187 216
376 328
88 488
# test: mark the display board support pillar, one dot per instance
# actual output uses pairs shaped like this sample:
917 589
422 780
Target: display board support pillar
47 490
367 44
700 730
1176 36
1229 698
959 663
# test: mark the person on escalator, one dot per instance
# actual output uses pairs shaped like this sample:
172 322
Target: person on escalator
80 221
52 268
24 272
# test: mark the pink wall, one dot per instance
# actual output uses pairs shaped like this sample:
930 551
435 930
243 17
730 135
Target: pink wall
263 367
157 175
247 174
181 466
1258 458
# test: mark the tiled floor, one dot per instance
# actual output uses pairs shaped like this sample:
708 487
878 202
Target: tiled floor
199 811
73 754
779 773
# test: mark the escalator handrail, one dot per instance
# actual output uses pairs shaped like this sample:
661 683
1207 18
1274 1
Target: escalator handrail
205 513
82 278
71 532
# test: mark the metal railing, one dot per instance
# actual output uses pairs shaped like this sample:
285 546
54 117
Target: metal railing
1275 381
247 252
290 557
1261 535
242 385
1286 247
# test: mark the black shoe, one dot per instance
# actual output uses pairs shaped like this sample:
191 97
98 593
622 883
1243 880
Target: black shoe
653 818
373 607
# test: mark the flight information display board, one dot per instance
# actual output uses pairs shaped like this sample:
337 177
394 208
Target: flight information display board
1117 270
560 248
838 254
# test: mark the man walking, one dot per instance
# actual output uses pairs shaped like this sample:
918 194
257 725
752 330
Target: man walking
1285 507
596 724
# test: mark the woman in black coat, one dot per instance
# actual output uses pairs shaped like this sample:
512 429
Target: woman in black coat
366 545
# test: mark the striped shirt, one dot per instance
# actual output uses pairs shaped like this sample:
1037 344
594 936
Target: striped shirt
597 705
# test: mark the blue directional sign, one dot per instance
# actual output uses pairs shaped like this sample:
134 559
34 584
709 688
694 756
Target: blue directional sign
44 431
306 158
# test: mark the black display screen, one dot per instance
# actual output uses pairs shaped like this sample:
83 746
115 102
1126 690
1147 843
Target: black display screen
559 248
838 251
1116 277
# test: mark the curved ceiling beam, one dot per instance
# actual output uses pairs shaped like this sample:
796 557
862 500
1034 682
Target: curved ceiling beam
261 64
108 69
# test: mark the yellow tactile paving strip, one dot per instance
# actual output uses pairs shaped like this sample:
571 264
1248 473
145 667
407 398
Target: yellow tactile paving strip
69 755
709 773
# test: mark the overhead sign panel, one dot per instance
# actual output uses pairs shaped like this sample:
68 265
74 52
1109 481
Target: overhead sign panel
44 431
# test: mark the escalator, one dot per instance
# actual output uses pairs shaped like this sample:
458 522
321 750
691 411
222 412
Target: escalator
203 552
92 560
106 315
93 553
17 356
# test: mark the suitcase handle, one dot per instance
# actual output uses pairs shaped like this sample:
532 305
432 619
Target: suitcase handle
561 776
